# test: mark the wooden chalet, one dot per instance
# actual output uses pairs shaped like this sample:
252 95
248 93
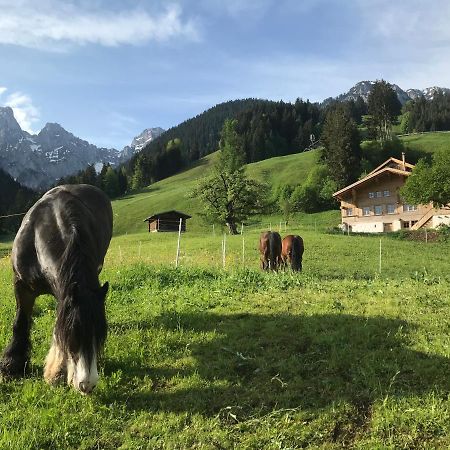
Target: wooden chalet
167 221
373 204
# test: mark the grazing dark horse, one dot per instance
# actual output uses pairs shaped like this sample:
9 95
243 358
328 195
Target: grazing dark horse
59 250
270 250
292 251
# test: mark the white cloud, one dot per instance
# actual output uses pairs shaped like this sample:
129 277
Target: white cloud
409 21
236 8
53 25
24 111
256 9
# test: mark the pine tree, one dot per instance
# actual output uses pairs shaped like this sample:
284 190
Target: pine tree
384 107
111 183
341 146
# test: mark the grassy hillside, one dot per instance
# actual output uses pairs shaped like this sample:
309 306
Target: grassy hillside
428 142
171 193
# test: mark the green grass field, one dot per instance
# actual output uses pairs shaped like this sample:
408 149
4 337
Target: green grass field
338 356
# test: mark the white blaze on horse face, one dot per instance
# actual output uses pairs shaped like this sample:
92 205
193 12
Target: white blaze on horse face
83 377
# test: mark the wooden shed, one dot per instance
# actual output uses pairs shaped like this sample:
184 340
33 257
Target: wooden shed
167 221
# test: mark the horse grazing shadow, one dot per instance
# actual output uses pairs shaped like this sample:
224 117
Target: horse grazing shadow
282 361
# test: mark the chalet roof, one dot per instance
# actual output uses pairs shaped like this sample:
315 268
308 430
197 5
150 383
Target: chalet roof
394 163
165 213
381 169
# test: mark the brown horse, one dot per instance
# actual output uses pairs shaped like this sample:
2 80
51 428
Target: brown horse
270 250
292 252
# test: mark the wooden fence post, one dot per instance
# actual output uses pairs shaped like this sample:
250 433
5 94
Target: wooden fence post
178 245
224 249
379 265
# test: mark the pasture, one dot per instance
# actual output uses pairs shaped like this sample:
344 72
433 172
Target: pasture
338 356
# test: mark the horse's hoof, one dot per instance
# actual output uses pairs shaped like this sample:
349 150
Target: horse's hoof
9 368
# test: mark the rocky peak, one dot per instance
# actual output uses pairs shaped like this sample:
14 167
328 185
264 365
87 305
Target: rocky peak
7 119
141 140
10 131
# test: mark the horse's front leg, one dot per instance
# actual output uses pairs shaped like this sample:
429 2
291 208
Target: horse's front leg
17 353
55 364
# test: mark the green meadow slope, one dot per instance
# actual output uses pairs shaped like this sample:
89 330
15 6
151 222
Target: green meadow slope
172 193
428 142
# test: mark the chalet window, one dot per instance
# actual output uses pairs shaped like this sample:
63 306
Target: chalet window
391 209
387 193
349 211
371 194
366 211
379 195
409 208
413 222
406 224
378 210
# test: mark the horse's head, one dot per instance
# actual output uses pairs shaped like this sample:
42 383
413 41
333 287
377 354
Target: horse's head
81 332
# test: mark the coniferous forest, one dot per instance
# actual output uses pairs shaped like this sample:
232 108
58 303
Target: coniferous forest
427 115
15 199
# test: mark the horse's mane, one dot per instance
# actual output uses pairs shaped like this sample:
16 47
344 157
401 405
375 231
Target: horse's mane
81 322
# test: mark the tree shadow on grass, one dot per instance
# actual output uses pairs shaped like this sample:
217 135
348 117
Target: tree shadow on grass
261 362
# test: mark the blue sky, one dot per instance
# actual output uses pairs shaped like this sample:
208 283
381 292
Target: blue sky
107 69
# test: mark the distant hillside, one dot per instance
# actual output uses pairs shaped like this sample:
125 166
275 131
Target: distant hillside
200 134
267 129
171 193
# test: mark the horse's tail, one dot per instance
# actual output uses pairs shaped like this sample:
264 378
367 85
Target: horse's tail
273 251
297 253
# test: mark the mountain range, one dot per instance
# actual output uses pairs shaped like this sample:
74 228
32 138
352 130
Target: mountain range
363 89
38 161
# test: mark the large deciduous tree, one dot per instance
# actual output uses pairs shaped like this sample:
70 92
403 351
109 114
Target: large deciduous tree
227 195
341 150
383 107
429 183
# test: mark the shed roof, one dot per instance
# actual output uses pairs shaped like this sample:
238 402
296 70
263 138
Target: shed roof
164 213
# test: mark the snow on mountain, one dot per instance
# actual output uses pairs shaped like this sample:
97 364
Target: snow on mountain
38 161
430 92
363 89
140 141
